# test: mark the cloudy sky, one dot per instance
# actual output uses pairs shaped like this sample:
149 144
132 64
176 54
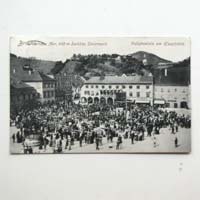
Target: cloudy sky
61 48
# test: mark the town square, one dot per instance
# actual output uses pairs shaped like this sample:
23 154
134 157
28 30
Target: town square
100 103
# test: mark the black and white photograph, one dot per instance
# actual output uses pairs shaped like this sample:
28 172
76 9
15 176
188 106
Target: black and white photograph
100 95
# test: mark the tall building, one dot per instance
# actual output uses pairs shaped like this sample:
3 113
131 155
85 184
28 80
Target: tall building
43 84
67 83
109 89
172 86
21 95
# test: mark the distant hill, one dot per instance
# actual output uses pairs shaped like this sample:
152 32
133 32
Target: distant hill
151 59
111 64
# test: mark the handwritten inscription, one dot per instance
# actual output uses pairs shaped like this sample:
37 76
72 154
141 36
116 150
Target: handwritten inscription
63 43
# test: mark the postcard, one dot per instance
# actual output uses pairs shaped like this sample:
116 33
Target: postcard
100 95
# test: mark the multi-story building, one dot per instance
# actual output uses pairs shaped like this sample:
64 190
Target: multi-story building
108 89
172 87
21 95
43 84
67 83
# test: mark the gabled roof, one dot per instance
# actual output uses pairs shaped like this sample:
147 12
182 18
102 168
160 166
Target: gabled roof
30 75
119 80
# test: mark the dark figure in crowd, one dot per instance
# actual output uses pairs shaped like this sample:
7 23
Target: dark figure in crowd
13 138
176 126
149 129
173 128
97 142
176 142
119 141
80 140
132 135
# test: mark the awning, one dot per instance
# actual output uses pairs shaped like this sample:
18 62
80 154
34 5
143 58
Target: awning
142 101
159 102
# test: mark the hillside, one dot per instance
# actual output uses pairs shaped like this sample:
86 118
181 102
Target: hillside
111 64
151 59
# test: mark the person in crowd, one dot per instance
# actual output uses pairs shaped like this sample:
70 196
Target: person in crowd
13 137
176 142
97 141
119 142
132 136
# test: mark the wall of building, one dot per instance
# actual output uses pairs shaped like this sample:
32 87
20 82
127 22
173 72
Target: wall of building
45 89
133 92
48 91
38 87
173 95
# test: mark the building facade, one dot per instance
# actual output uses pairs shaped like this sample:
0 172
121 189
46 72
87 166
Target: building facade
67 82
43 84
172 86
108 89
172 96
22 96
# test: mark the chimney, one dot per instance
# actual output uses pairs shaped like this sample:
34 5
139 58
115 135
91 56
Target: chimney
165 72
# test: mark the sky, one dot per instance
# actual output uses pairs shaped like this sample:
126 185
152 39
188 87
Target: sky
62 48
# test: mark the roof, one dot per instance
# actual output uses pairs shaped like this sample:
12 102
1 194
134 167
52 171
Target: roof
20 86
119 80
46 77
173 76
30 75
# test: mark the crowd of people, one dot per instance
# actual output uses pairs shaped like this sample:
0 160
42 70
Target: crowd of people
53 126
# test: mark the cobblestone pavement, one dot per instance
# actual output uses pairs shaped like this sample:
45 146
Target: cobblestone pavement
165 143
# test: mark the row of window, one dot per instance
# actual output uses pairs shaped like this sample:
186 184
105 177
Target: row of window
107 92
28 96
49 85
48 94
117 86
169 90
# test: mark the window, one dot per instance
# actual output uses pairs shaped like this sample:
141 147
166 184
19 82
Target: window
44 94
102 86
86 86
183 91
117 86
138 94
123 86
138 87
87 92
147 87
92 93
92 86
97 86
110 86
148 94
130 86
175 90
130 94
168 90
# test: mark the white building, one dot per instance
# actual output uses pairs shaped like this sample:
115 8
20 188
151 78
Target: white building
171 87
173 96
138 89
